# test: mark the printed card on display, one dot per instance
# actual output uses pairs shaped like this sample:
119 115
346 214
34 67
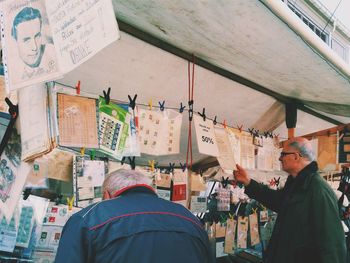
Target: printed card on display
12 180
264 217
198 204
220 230
163 193
220 249
254 229
225 157
8 235
223 199
205 136
242 229
70 32
197 183
163 180
160 131
77 121
230 236
114 123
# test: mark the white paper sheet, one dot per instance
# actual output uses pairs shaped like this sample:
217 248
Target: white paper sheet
35 134
29 52
12 180
225 158
80 29
205 136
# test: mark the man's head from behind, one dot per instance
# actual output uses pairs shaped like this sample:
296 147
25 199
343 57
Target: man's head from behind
26 30
296 154
120 179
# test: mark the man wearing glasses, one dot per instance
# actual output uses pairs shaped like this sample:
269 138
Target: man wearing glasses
308 227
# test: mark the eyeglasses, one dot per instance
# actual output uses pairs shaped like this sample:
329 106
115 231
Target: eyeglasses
287 153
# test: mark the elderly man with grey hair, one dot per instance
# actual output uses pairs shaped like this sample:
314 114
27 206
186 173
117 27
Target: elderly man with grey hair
132 224
308 227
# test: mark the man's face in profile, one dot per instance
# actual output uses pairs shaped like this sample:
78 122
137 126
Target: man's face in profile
29 42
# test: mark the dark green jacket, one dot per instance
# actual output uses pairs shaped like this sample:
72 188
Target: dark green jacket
308 228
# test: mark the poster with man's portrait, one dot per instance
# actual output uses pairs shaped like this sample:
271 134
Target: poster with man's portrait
29 52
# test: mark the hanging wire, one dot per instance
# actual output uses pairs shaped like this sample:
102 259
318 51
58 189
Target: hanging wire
329 19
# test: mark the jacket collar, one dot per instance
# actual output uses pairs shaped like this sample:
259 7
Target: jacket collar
139 188
305 175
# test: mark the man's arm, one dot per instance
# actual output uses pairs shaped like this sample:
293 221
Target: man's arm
73 246
266 196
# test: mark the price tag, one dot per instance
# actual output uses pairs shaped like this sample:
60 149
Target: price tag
205 136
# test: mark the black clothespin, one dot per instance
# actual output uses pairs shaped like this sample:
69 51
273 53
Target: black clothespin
171 167
214 121
270 135
123 160
224 182
161 105
256 133
13 110
183 166
190 111
58 199
200 171
26 193
182 107
106 95
203 114
251 131
266 134
132 102
132 162
277 181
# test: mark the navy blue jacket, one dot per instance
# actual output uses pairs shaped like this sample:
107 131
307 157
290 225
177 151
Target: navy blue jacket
135 226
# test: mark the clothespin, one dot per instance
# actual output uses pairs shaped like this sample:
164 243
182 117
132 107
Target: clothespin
150 104
161 105
123 160
266 134
171 167
70 203
223 219
151 164
181 110
77 87
277 181
270 135
13 109
203 114
26 193
106 95
240 128
92 154
251 131
254 210
82 151
231 216
190 110
272 182
183 166
132 162
214 121
224 124
132 102
224 182
58 199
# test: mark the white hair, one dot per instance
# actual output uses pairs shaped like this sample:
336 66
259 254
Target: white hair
122 178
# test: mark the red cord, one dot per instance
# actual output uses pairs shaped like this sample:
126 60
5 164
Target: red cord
190 99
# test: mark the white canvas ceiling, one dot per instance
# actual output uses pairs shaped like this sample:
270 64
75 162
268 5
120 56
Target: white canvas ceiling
242 39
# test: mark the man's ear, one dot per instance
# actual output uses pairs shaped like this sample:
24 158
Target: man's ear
106 195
